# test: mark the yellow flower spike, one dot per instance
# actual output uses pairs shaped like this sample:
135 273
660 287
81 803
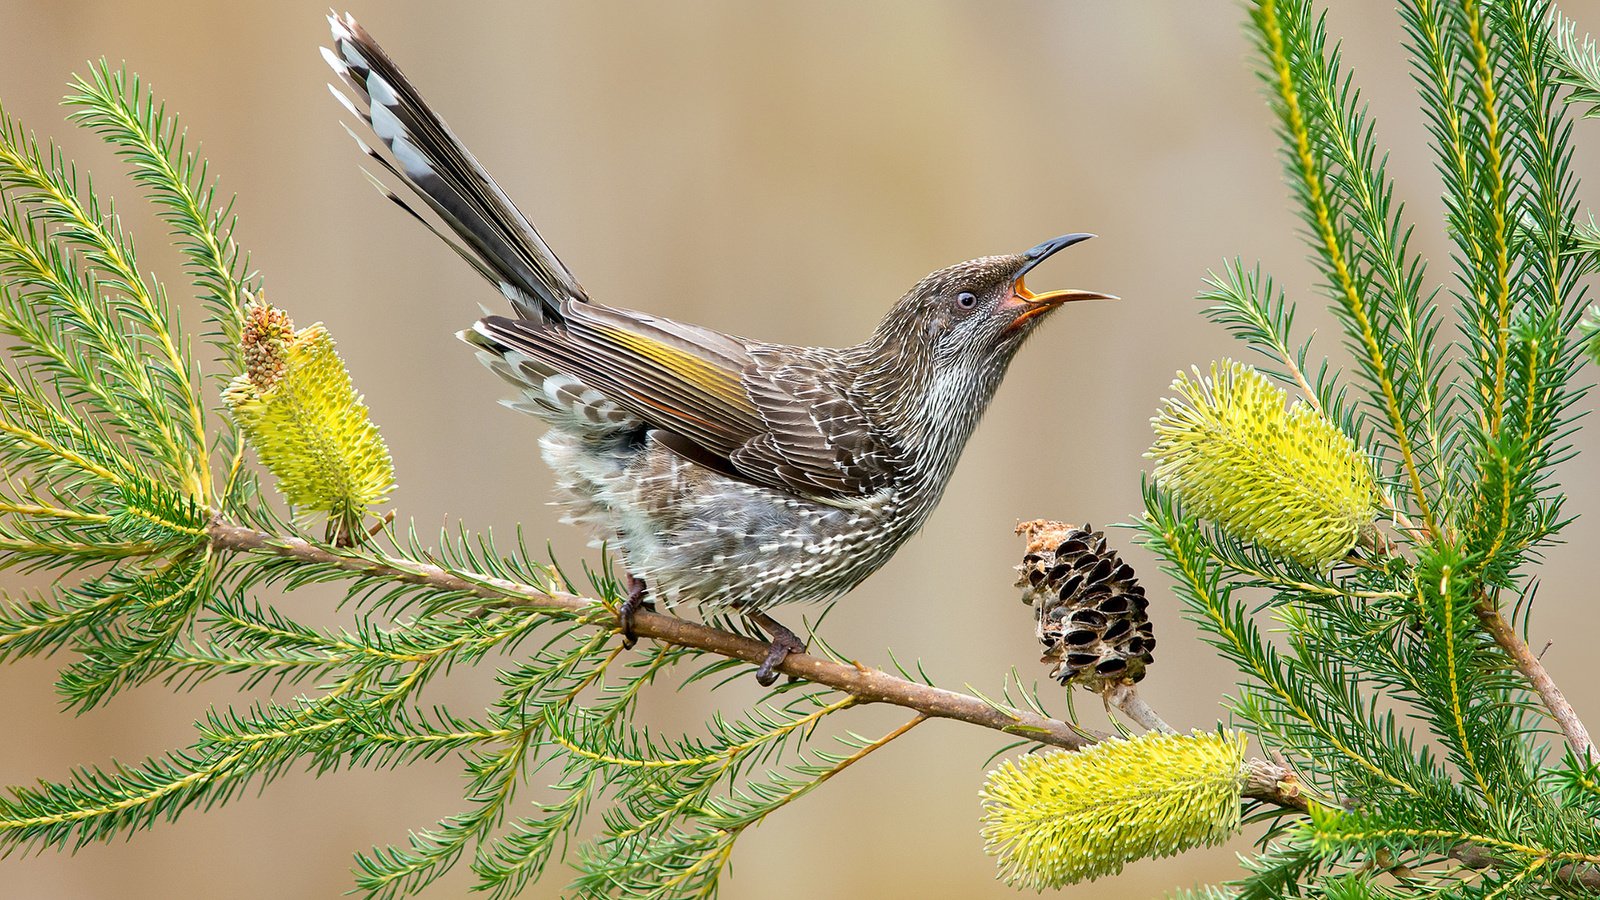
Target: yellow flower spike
1288 480
1058 818
300 412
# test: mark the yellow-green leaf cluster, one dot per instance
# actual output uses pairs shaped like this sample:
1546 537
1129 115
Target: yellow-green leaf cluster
1285 478
299 410
1058 818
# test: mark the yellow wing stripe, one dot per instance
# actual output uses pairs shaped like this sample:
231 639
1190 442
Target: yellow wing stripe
708 377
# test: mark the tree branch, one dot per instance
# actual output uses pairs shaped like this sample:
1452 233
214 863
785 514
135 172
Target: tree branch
866 684
1578 874
1531 668
1266 781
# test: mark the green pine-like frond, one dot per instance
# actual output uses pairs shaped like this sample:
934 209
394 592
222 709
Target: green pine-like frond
1385 679
1361 242
104 436
1578 63
114 104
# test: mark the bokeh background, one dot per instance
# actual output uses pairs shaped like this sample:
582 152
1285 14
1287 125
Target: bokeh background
778 170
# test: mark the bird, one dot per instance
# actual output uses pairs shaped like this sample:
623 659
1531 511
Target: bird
729 474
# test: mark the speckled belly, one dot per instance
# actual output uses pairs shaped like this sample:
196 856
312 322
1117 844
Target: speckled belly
695 536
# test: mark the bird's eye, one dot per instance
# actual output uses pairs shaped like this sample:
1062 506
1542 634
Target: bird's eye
966 300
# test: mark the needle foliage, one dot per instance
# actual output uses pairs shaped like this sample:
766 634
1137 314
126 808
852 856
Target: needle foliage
1393 681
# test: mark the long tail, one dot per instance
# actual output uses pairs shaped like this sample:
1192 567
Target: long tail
500 242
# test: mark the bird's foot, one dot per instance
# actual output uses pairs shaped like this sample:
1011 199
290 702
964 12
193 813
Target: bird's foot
634 602
784 642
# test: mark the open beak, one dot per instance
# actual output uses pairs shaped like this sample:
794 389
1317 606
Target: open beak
1026 303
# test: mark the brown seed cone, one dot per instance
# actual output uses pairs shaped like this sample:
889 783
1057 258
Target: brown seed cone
1089 609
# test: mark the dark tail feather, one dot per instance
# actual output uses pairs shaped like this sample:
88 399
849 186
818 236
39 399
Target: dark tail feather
500 241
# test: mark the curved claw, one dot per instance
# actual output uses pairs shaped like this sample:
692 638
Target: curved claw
635 602
784 642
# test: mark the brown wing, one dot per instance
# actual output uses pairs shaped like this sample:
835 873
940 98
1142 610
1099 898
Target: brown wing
816 437
777 417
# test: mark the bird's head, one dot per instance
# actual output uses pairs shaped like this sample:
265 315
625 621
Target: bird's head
938 357
971 317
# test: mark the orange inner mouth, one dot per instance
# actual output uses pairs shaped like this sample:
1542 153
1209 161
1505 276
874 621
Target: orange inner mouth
1037 304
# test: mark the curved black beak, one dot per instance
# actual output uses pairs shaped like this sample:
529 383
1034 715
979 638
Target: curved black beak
1025 303
1048 249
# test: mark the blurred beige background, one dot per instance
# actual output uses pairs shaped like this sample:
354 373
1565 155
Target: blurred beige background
778 170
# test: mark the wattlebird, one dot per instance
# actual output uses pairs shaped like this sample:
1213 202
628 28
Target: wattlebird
730 474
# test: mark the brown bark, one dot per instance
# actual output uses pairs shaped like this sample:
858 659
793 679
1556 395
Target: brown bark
867 684
1528 664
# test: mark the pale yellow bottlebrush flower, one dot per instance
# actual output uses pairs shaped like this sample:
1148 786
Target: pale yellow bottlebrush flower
1058 818
301 414
1282 477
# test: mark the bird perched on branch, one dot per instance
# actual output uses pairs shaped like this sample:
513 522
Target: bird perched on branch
727 473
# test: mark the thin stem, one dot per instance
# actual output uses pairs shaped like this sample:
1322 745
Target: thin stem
1266 781
1529 665
1124 695
866 684
717 857
840 766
